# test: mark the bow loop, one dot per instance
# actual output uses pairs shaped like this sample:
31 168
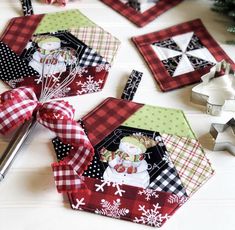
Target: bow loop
20 104
16 106
58 110
22 92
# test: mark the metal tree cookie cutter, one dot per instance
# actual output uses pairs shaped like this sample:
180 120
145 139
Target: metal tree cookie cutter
216 93
224 136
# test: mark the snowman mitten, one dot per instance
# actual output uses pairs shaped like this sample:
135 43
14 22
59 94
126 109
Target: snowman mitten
120 168
131 170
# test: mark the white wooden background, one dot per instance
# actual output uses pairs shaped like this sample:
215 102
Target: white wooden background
28 199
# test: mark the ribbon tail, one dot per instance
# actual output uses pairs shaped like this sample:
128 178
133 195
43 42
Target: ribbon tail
67 179
68 172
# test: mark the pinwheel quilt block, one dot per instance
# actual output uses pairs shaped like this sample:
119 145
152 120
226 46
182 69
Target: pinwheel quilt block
178 56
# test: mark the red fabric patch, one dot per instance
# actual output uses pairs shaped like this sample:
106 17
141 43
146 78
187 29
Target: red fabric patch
108 116
126 202
88 82
165 81
141 19
20 31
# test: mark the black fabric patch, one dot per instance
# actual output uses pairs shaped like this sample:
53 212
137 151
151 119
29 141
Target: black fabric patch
61 149
68 43
135 4
154 156
168 43
27 7
132 85
198 63
194 44
171 64
12 66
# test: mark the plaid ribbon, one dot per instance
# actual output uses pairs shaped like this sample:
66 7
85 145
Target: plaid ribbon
21 104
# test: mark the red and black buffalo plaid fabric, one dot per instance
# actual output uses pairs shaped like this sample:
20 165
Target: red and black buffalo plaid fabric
106 117
141 19
20 31
165 80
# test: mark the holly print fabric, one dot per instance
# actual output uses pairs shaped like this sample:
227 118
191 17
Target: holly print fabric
147 162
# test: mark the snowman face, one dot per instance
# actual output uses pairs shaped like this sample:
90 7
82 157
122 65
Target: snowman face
49 45
129 148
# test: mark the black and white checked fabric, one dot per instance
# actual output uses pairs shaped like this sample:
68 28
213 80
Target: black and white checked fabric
169 181
91 58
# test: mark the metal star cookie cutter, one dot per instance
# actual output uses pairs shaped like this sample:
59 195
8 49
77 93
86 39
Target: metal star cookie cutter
216 93
227 141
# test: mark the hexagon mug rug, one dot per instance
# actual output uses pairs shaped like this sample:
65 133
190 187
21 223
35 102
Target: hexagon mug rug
70 39
147 162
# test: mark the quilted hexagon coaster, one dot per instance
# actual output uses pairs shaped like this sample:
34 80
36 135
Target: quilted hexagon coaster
147 161
68 37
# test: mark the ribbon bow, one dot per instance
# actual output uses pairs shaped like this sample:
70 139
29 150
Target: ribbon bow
21 104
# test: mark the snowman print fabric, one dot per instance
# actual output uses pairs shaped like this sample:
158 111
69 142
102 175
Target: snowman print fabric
54 46
147 162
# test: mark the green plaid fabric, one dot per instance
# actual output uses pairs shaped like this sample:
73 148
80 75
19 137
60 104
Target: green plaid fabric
101 41
190 161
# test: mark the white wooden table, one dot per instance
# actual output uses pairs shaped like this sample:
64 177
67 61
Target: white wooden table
28 198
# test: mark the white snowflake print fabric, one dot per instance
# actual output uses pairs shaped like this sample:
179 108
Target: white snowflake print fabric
151 216
183 53
112 209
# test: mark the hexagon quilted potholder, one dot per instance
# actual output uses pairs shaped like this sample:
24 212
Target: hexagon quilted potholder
147 160
69 37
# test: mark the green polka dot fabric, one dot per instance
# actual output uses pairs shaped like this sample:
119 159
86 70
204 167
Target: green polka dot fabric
163 120
62 21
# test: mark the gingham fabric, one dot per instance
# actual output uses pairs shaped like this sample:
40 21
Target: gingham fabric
165 80
101 41
19 104
169 181
106 117
20 31
190 161
92 58
141 19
